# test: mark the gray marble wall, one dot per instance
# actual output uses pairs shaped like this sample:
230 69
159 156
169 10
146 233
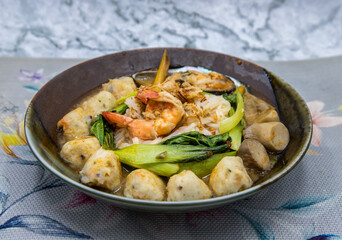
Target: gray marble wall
256 30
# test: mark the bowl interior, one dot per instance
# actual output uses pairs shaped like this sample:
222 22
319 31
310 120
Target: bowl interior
53 101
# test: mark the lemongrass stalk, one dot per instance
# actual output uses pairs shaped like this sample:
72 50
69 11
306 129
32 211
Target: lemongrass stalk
163 69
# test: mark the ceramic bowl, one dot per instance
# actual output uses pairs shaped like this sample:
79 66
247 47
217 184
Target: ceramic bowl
53 101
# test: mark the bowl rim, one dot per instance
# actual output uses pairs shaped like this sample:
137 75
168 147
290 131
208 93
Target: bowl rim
144 203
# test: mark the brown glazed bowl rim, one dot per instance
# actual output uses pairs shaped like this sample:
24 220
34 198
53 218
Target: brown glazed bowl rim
165 206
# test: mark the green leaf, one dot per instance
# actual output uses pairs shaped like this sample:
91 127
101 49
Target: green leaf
230 98
121 109
104 132
195 138
108 142
97 129
220 139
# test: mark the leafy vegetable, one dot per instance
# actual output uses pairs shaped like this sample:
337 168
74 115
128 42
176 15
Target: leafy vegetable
236 132
272 157
104 132
230 98
123 99
236 135
231 111
138 154
163 158
163 69
229 123
196 138
162 169
121 109
204 167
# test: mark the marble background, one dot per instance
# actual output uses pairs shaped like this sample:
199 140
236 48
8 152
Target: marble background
259 30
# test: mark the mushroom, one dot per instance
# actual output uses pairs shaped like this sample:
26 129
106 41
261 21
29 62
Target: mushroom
254 155
273 135
269 115
257 110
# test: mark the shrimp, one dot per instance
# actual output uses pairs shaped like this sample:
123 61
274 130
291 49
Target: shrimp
162 114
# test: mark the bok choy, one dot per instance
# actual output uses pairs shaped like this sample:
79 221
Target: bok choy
166 157
196 138
229 123
154 153
204 167
121 109
236 132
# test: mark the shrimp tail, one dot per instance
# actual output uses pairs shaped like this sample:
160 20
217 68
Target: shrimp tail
147 94
117 118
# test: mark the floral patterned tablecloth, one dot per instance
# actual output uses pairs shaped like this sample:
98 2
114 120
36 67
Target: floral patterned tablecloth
306 204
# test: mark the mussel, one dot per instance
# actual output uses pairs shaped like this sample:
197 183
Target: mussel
207 81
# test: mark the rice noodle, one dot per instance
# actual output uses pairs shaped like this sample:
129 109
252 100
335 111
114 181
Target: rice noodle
214 109
135 108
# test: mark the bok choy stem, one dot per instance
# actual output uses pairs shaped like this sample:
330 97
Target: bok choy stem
229 123
162 169
138 154
204 167
164 158
236 136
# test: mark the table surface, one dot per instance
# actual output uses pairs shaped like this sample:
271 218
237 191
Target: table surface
305 204
255 30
